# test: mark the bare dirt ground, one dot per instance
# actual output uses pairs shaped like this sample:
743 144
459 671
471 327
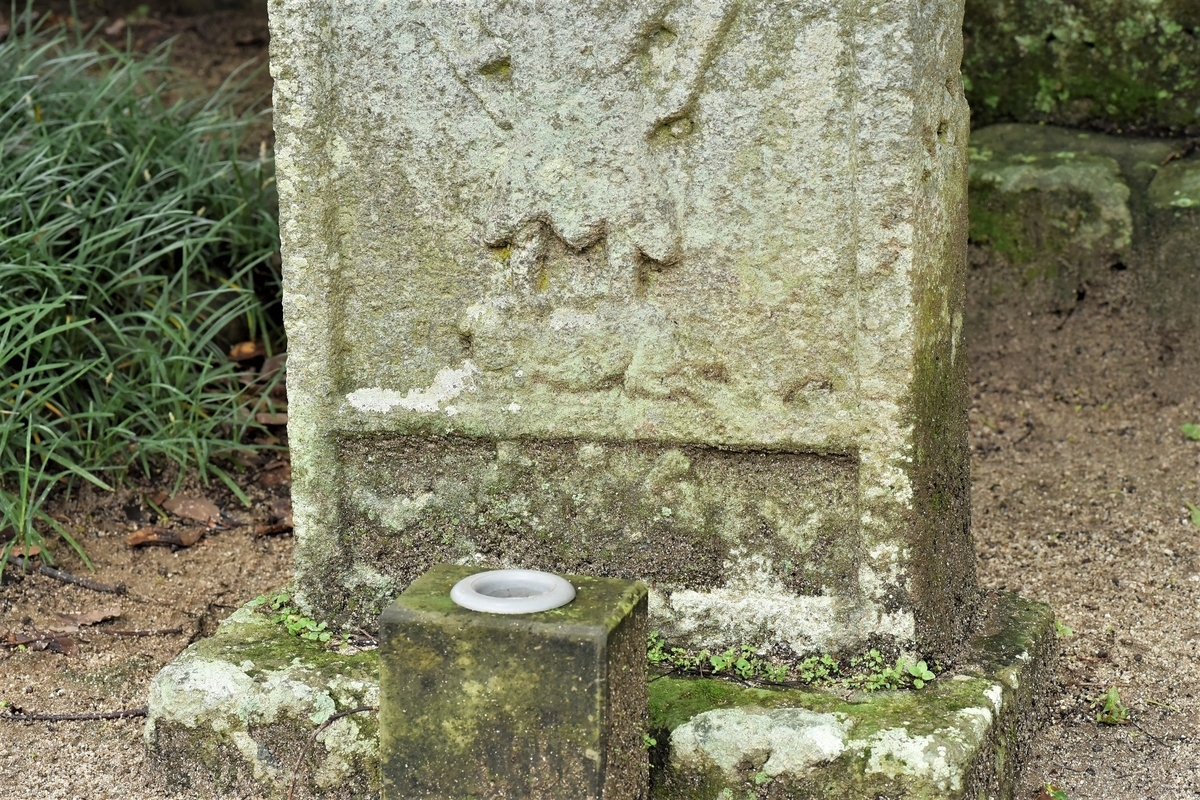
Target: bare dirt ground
1081 478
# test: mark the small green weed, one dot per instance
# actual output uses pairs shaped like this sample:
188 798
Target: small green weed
870 672
920 673
1194 513
135 238
1061 630
1111 710
1191 431
649 741
1052 792
290 617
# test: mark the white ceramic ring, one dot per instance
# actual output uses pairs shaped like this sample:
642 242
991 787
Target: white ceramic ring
512 591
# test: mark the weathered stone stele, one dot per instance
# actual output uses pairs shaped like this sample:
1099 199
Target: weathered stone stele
653 289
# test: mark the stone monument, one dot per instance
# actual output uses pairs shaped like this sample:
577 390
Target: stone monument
657 290
667 290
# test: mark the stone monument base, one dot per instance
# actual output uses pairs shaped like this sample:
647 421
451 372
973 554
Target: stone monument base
239 713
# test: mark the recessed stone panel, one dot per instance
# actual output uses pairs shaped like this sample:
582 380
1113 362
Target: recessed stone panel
727 540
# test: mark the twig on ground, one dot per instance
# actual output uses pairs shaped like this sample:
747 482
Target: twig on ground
308 747
18 640
271 529
93 715
1168 706
66 577
151 632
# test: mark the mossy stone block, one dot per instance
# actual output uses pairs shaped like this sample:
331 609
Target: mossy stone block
1121 65
537 706
253 711
964 736
1065 212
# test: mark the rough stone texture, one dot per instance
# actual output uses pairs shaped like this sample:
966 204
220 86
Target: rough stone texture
1120 65
231 716
233 713
960 737
1064 209
531 706
585 285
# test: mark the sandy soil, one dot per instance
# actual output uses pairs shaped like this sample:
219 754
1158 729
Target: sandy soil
1081 475
1080 481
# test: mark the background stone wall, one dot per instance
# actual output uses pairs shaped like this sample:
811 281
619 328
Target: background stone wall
1122 66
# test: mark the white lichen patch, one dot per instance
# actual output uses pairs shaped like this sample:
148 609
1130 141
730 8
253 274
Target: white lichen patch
995 694
343 739
189 689
398 513
263 765
754 604
232 699
448 384
361 576
943 757
786 741
893 752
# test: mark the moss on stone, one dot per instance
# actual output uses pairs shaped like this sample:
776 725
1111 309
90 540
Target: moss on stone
1056 212
1121 65
233 711
670 515
961 736
1068 213
532 705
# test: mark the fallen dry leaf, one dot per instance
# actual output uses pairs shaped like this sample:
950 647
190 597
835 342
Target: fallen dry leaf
249 460
276 474
55 644
77 621
59 644
272 529
244 351
20 552
272 365
154 534
14 639
200 509
279 418
116 29
281 519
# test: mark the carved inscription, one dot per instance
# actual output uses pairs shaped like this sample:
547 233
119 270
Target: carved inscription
582 215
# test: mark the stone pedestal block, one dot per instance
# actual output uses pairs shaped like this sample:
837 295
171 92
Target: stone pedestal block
542 706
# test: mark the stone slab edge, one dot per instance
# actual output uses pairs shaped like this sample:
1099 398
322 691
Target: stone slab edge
236 714
233 714
962 736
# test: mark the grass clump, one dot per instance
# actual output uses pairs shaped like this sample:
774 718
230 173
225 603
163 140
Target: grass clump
136 244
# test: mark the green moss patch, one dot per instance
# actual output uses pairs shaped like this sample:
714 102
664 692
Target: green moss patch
1120 65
